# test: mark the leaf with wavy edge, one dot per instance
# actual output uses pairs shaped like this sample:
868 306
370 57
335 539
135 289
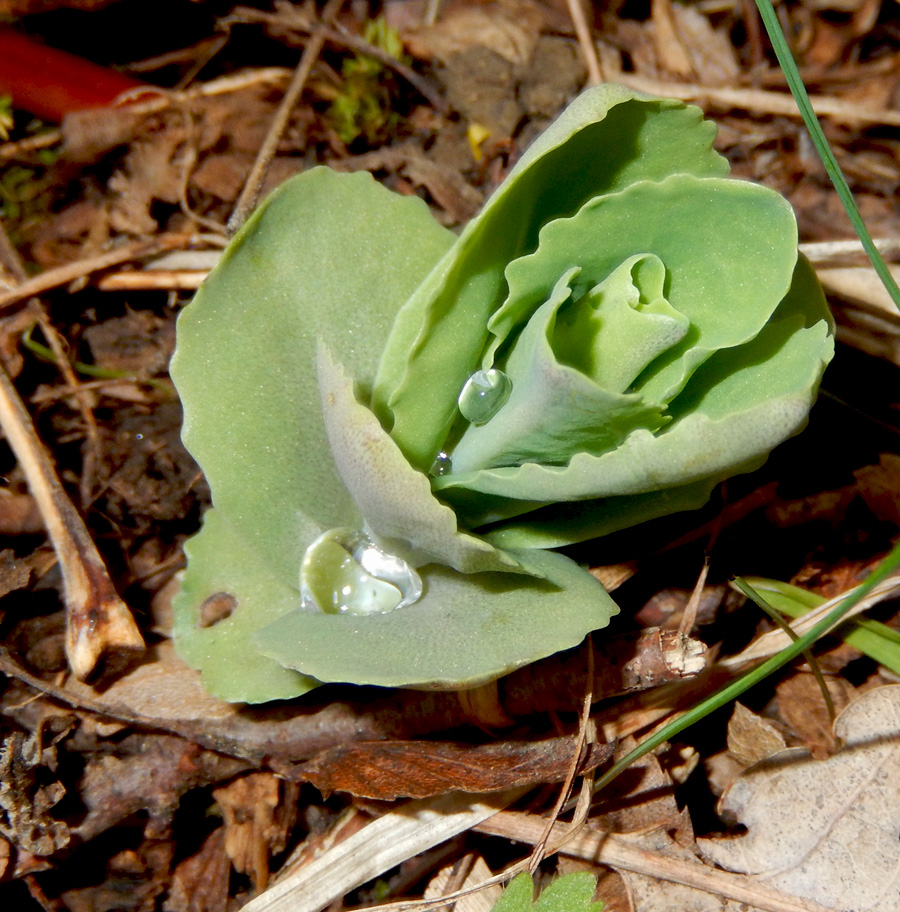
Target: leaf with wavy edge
608 138
586 417
465 630
245 369
711 235
245 361
739 406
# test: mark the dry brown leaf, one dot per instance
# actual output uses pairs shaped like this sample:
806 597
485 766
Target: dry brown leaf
152 171
137 343
752 738
419 769
879 487
644 800
711 52
149 772
825 830
671 53
802 706
24 804
19 515
509 28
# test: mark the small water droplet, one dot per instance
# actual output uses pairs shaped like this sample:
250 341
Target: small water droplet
442 465
345 572
484 394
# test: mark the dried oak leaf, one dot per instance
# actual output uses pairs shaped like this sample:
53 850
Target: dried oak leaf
419 769
825 830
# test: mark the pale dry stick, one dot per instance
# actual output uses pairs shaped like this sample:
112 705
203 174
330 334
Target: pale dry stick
253 185
616 852
153 280
99 626
689 618
537 855
824 252
401 833
69 272
585 42
224 85
760 101
776 640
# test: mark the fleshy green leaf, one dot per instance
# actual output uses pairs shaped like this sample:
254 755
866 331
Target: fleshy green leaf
223 569
328 256
710 234
586 417
608 138
465 630
740 405
626 323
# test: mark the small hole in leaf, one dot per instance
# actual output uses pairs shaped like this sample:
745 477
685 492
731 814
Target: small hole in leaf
216 608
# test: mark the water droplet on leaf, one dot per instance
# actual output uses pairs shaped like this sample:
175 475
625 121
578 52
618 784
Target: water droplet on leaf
344 572
484 394
442 465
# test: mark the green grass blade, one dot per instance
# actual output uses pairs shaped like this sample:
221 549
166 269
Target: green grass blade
798 90
733 690
874 639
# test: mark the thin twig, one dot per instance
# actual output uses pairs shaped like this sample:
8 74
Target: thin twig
759 101
689 618
99 626
253 185
539 851
153 280
585 42
825 251
618 852
83 399
62 275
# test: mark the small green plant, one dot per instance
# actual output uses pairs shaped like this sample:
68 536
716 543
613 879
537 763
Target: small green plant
363 105
397 423
570 893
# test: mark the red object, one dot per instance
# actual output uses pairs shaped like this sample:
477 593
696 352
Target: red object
51 83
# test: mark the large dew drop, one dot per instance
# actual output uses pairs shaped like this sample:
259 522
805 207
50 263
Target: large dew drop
483 395
344 572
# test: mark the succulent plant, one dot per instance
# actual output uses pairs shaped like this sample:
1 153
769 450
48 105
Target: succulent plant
397 423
